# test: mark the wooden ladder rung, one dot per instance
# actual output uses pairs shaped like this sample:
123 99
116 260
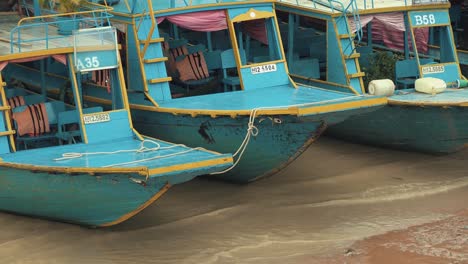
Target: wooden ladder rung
7 133
342 36
155 40
155 60
160 80
353 56
5 108
357 75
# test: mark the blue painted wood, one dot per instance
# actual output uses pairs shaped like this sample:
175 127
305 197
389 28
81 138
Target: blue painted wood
280 140
118 124
435 130
80 198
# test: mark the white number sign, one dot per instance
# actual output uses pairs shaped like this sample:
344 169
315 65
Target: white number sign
88 63
96 118
424 19
433 69
263 68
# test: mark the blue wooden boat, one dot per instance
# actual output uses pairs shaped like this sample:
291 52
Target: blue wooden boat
412 120
238 98
72 162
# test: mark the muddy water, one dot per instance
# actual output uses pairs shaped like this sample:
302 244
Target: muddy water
334 194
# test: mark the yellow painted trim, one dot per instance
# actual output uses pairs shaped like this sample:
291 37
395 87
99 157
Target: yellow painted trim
154 60
220 4
139 209
371 11
7 114
343 61
235 48
160 80
140 59
423 104
434 25
138 135
7 133
293 110
150 98
321 81
354 55
356 75
89 12
155 40
44 52
252 14
193 165
283 55
143 171
263 63
343 106
292 81
303 8
77 99
95 48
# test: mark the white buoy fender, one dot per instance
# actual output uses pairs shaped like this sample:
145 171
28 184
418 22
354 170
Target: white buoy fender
430 85
383 87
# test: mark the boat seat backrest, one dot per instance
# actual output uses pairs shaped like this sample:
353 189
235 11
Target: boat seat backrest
196 48
406 69
213 60
175 43
228 60
33 99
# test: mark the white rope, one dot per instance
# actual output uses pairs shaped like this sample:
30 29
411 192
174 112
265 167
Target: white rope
141 149
252 130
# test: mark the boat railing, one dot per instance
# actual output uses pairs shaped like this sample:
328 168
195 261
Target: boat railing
369 4
133 4
40 32
147 7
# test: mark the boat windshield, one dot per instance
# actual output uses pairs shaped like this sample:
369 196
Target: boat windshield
258 39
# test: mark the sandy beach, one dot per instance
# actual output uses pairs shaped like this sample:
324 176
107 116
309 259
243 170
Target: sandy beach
337 203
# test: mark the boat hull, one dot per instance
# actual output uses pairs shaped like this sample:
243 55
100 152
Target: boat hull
430 129
80 198
279 141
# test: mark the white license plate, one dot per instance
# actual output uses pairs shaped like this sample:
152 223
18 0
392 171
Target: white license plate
96 118
263 68
433 69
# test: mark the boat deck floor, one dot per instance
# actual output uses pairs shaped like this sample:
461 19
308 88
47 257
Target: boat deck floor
448 97
277 97
180 155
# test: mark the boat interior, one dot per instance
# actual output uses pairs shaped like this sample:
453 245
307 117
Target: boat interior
231 67
45 116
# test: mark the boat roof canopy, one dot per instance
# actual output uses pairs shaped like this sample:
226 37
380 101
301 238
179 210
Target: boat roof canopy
140 6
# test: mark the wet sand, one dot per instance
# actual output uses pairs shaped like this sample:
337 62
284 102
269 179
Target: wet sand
338 203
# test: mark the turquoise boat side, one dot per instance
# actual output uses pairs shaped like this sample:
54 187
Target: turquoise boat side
80 198
279 141
430 129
